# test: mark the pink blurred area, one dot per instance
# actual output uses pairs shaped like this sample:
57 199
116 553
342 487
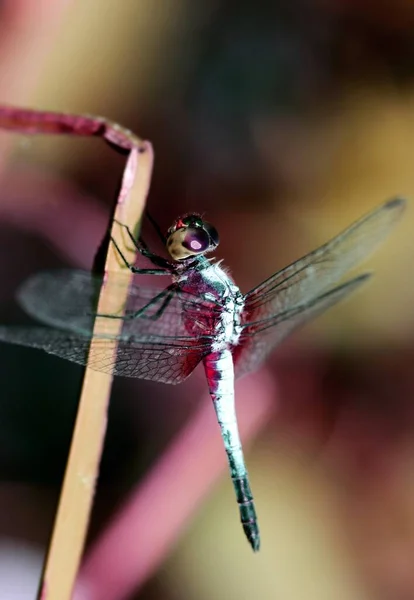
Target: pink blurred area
282 123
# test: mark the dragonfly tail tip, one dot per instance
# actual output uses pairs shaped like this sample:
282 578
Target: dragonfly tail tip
396 203
255 543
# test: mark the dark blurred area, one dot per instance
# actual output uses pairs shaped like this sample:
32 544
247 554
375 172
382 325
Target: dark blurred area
283 122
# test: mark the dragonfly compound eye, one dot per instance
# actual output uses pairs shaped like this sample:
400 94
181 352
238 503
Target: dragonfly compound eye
213 234
191 236
187 242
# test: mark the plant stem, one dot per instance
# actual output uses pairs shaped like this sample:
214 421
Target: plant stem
71 523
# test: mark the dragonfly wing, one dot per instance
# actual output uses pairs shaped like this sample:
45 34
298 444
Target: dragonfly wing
66 299
149 358
299 283
259 339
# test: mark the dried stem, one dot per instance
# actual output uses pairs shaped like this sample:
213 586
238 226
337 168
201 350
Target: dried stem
75 503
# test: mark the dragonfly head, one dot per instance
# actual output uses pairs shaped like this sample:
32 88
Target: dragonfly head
191 236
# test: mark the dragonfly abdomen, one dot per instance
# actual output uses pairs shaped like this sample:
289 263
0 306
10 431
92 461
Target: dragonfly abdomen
220 377
247 510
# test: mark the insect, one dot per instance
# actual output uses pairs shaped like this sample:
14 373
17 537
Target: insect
200 317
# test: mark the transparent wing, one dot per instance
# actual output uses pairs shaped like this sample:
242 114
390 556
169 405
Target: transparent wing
134 357
67 299
300 282
260 338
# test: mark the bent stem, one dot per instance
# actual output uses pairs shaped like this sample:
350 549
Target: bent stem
71 522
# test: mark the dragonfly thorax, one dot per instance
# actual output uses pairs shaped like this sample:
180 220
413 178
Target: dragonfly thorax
223 321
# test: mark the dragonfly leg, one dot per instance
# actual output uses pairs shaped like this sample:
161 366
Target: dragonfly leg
138 244
156 227
166 295
141 242
164 270
143 249
141 246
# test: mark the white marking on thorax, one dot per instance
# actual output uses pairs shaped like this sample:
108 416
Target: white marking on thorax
229 324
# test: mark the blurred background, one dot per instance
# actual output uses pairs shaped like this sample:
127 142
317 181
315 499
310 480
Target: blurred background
283 121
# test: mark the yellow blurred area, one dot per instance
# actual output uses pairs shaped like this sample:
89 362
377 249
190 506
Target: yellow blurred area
372 163
110 56
303 552
107 59
360 154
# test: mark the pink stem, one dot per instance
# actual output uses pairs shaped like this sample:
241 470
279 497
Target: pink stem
47 122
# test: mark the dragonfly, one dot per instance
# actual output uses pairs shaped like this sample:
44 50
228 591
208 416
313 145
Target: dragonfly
200 317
